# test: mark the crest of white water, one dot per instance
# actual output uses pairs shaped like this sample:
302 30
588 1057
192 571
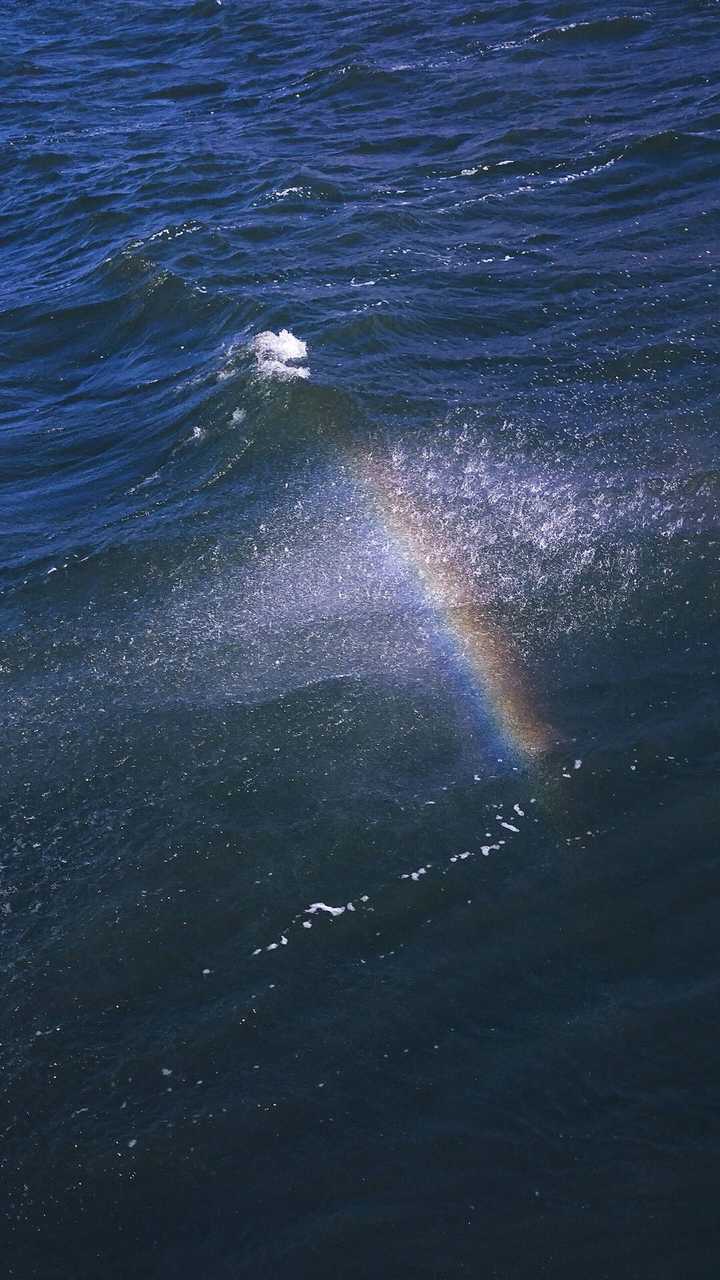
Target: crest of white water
277 354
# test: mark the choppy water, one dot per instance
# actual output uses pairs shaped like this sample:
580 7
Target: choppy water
359 639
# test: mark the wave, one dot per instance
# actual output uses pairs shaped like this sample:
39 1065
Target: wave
354 77
612 27
624 155
303 186
597 30
672 144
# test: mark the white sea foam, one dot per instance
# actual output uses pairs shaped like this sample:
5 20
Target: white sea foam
324 909
276 354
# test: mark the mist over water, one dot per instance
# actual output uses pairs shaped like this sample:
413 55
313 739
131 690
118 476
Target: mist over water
359 536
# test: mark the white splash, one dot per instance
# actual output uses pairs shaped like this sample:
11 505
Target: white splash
276 353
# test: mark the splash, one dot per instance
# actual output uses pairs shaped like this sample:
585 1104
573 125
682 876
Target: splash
277 353
481 650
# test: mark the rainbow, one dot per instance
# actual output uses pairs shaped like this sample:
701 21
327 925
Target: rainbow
484 651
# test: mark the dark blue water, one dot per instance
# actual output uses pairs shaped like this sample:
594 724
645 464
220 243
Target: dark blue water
359 536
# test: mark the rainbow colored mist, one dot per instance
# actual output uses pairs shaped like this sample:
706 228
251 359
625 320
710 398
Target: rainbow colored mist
480 645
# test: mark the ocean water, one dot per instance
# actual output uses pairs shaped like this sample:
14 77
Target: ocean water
359 537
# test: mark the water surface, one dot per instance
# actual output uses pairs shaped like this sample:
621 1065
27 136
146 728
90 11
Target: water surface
359 538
